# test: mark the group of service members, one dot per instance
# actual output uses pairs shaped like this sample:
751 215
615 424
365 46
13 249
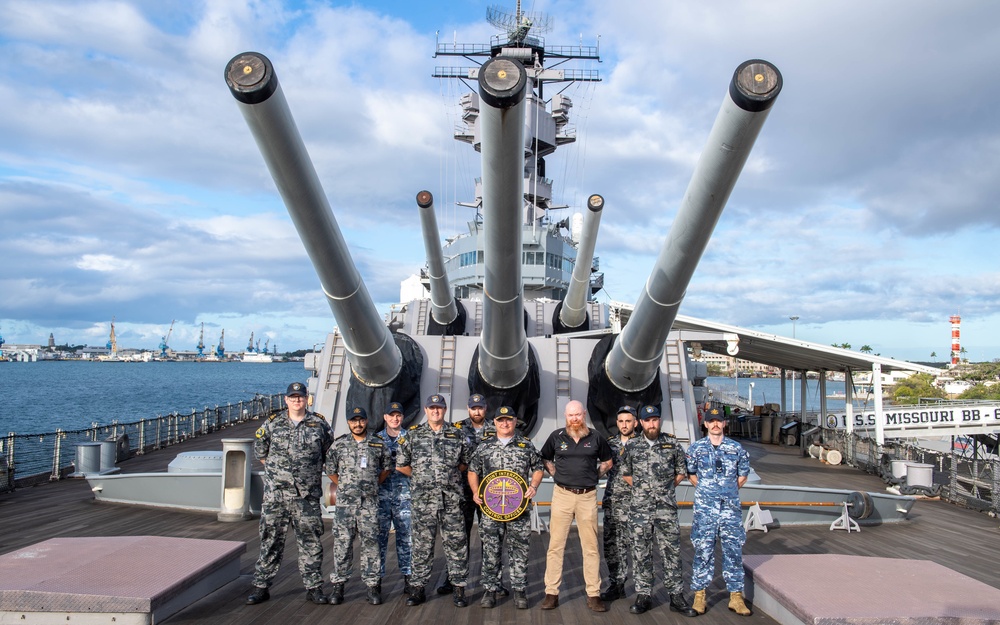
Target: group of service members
416 480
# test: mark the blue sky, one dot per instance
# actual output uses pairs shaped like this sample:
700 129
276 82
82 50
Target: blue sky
130 186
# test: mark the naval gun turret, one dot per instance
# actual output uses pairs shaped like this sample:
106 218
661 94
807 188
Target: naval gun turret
522 353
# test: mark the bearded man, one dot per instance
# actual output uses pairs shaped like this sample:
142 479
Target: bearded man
576 457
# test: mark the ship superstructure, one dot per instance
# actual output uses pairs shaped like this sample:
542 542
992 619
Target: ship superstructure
549 246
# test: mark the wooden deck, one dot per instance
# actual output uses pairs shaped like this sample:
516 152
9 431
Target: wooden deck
959 539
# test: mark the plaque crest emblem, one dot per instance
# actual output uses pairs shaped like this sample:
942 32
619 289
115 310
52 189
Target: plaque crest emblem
503 495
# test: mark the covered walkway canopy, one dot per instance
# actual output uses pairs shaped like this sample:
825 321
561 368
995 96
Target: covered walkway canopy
784 352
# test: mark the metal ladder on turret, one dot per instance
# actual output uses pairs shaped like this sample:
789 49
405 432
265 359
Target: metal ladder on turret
338 360
446 369
421 317
539 318
675 385
563 379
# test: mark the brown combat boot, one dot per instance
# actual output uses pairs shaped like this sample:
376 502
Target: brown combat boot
736 604
699 604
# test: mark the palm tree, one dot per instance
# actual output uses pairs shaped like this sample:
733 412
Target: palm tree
866 349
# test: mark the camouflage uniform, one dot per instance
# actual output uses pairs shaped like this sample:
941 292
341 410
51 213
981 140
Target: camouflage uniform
393 509
294 454
469 509
616 502
520 456
717 512
357 464
653 468
436 489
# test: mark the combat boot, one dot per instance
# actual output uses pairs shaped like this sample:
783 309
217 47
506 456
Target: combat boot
407 588
502 592
316 596
489 600
337 596
445 588
375 595
615 591
736 604
417 596
259 595
642 604
700 605
459 597
520 600
679 604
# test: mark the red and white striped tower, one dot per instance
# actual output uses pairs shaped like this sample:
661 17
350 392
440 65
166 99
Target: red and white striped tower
956 343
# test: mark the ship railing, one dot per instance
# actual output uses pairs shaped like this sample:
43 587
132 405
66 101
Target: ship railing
30 459
968 475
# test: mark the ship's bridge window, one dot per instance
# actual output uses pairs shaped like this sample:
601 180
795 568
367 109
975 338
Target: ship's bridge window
534 258
470 258
560 263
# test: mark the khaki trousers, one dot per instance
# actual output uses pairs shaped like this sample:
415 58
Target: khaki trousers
565 507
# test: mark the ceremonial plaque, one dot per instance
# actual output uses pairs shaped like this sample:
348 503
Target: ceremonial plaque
503 495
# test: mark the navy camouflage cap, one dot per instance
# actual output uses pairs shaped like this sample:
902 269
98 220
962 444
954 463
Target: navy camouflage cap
357 413
628 409
296 389
649 412
714 415
477 401
505 412
436 401
394 407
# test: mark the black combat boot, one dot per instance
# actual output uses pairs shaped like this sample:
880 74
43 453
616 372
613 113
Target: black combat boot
642 604
337 596
489 600
417 596
375 595
445 588
679 604
520 600
259 595
316 596
459 597
502 592
615 591
407 588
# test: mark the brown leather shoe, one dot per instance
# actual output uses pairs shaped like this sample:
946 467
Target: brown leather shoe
551 602
595 604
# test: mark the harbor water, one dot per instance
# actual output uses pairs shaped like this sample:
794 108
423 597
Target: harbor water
768 391
46 396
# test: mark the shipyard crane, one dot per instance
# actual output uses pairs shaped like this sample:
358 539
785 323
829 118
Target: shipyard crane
201 341
220 351
165 343
250 344
268 340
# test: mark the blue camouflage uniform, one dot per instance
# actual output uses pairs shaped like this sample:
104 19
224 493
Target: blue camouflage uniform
294 454
717 512
394 509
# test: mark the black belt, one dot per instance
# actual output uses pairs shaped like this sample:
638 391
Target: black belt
577 491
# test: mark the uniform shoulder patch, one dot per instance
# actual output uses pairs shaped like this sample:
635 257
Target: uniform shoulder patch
522 445
458 425
374 444
342 435
261 431
319 416
413 427
489 434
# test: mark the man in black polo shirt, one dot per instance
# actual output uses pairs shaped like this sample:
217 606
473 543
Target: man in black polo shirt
576 457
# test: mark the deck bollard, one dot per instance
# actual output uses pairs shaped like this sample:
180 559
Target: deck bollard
236 479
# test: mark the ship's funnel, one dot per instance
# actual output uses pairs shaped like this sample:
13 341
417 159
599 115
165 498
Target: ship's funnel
503 350
633 361
444 312
374 357
573 310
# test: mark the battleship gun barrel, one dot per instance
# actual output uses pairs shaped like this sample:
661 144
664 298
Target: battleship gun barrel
633 361
574 306
503 350
443 308
375 359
